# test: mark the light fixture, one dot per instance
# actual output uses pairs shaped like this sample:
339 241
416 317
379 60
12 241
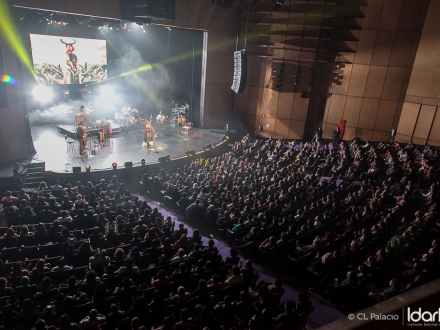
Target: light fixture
142 162
115 165
88 168
42 93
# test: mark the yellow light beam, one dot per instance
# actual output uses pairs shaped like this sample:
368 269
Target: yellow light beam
9 32
150 95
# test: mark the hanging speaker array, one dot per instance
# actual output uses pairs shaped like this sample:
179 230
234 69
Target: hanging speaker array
240 65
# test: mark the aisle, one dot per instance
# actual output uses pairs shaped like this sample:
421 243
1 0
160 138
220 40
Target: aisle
324 313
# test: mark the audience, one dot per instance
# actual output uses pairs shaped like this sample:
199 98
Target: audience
356 218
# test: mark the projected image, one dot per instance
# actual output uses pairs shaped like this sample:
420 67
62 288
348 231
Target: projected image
65 60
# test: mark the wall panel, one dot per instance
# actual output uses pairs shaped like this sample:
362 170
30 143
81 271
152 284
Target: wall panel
385 115
336 109
299 108
382 47
367 116
408 118
372 14
389 17
365 46
393 83
402 45
352 110
296 129
375 81
380 136
435 130
409 14
358 80
285 102
424 121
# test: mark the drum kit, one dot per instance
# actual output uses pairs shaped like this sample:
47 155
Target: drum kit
128 116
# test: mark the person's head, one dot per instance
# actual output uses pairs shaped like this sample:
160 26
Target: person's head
40 265
91 276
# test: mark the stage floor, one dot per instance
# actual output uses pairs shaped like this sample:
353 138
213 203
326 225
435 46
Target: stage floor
52 148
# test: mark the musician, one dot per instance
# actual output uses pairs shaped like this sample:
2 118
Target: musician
150 133
137 120
81 134
181 120
160 118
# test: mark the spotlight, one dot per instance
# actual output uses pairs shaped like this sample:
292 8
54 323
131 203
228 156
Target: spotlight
42 94
88 168
123 25
143 31
115 165
142 162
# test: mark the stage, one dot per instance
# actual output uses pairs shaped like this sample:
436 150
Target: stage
52 148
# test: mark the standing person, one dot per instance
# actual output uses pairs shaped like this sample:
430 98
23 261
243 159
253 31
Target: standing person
18 176
82 138
149 134
336 134
318 135
160 118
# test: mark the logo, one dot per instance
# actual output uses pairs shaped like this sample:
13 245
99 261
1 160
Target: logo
422 318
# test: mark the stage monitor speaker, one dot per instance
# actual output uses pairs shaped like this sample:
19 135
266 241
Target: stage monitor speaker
304 95
164 159
3 86
190 152
76 169
128 164
240 71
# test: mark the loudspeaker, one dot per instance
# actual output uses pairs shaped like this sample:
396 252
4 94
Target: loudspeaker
163 159
76 169
240 71
3 86
304 95
128 164
190 152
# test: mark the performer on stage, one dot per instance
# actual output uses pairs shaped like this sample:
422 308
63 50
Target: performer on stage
160 118
150 134
181 120
81 134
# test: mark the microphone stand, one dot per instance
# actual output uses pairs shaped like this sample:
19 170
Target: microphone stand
90 143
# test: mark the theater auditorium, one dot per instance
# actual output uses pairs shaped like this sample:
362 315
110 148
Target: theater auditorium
219 164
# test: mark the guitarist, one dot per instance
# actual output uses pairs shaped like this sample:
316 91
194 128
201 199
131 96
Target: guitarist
81 134
160 118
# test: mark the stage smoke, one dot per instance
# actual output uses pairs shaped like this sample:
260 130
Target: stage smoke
141 89
57 114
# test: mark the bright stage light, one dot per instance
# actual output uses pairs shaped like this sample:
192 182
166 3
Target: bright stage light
42 94
107 97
